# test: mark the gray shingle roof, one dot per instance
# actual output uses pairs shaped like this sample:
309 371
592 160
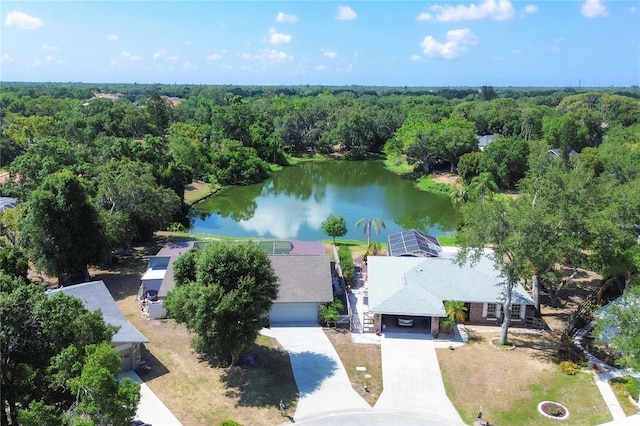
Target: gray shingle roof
95 296
418 286
304 278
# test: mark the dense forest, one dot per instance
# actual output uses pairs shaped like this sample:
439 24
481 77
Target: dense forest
94 168
122 154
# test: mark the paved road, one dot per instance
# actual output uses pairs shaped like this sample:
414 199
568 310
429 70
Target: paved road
321 378
412 379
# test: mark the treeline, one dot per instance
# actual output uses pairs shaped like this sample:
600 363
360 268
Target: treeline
123 158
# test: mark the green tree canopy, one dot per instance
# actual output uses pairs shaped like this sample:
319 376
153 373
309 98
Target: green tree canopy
60 228
334 226
49 369
619 325
224 306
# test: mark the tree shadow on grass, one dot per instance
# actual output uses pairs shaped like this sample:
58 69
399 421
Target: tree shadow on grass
261 378
151 367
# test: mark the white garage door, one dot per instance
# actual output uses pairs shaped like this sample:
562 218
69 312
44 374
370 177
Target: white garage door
294 312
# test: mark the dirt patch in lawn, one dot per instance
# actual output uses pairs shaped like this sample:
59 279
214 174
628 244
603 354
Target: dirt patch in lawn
355 355
451 179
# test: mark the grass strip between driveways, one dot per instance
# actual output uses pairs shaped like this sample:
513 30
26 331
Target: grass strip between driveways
355 355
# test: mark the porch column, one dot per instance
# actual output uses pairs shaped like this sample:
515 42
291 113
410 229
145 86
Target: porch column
377 323
435 325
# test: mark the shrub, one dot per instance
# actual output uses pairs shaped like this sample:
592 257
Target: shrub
229 423
630 384
347 265
570 368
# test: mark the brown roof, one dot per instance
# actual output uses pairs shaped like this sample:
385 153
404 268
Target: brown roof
305 278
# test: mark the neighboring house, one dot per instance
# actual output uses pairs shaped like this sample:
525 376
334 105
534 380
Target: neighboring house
96 297
413 243
303 270
484 141
557 152
417 287
7 203
157 281
305 283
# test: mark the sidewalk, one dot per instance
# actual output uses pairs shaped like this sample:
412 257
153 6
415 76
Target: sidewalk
150 409
605 373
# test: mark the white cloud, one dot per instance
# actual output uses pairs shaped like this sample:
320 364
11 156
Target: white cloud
188 66
415 57
159 54
530 8
214 57
269 56
285 18
498 58
633 9
277 38
321 68
517 51
594 9
47 47
457 42
499 10
6 58
345 13
112 37
188 42
173 58
23 21
329 53
126 59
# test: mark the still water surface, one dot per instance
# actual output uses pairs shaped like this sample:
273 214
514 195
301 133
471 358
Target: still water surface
293 203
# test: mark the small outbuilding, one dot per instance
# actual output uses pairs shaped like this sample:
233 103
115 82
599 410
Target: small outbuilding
95 296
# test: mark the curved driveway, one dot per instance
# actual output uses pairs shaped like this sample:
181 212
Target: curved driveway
322 381
413 389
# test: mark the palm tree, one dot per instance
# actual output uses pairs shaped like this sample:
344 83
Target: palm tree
369 223
459 196
455 310
484 184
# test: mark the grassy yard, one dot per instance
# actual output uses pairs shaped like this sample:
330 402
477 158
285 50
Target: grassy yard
508 385
355 355
197 392
622 393
197 191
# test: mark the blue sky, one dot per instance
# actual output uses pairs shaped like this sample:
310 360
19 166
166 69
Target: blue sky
381 43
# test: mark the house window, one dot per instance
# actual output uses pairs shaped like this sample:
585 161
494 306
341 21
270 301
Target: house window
492 309
516 311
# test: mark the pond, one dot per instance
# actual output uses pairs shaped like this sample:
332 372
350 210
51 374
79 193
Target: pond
293 203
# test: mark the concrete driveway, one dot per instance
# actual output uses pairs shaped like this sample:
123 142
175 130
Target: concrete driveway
150 409
321 378
412 379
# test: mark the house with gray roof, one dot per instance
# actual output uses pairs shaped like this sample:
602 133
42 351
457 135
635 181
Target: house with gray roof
304 284
302 268
96 297
417 288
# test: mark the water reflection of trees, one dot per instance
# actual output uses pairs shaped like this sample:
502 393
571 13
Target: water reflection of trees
422 212
367 183
238 203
